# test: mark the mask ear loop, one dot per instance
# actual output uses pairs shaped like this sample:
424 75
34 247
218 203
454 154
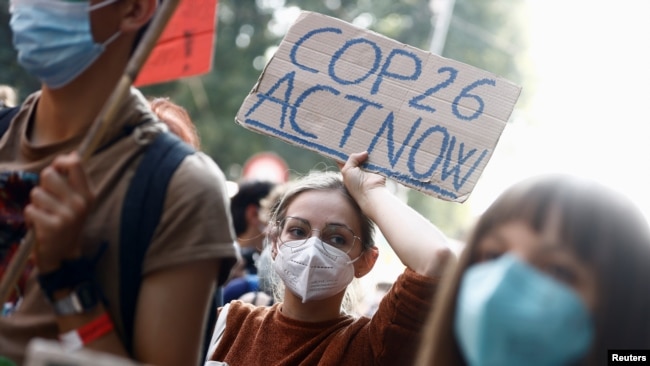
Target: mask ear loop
349 261
363 250
112 38
101 5
355 259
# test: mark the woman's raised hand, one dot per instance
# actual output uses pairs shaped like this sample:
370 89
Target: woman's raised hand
359 182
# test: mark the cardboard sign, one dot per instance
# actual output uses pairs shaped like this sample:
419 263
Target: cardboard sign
185 47
428 122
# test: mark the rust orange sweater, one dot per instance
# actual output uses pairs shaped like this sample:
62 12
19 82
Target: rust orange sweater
263 336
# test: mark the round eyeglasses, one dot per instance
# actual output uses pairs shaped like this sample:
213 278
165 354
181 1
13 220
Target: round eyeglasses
295 231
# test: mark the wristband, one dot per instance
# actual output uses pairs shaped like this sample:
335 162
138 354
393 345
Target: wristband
78 338
80 300
71 274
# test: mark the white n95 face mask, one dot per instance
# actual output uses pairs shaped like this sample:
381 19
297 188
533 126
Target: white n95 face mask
311 272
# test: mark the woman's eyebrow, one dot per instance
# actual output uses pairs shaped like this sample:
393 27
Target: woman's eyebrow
297 218
336 224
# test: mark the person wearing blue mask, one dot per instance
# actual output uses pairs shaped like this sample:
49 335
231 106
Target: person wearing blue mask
555 273
79 49
53 51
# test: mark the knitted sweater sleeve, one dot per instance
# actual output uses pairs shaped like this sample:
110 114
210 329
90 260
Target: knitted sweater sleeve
394 330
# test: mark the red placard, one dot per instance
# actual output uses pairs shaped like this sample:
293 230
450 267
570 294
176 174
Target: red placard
185 47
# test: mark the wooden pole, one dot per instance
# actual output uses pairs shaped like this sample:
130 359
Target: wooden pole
97 130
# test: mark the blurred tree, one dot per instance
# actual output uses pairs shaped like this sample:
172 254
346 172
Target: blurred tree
490 35
486 34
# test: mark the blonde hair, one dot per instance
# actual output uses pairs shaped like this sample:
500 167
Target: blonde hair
324 181
315 181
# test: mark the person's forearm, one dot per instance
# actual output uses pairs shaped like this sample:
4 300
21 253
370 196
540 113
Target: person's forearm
76 299
418 243
108 342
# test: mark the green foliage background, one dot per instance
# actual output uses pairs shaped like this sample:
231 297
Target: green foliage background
487 34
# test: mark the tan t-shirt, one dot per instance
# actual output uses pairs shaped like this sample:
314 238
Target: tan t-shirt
195 224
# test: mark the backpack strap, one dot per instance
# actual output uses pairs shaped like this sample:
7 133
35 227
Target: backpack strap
141 212
6 116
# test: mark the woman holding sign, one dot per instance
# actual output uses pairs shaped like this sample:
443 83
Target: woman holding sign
556 273
320 240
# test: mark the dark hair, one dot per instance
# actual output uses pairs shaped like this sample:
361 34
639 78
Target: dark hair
249 193
602 227
249 256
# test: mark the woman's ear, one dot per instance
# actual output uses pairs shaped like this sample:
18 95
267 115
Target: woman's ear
136 13
366 262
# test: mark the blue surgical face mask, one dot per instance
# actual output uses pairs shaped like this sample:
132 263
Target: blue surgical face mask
509 313
53 38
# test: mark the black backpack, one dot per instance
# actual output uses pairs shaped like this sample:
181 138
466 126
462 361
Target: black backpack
141 211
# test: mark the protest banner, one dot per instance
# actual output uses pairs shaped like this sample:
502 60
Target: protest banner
186 46
428 122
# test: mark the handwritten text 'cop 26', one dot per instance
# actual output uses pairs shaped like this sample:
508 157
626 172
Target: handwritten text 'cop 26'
453 155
